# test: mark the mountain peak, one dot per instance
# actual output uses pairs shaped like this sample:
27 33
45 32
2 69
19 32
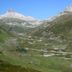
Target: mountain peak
11 13
69 8
11 10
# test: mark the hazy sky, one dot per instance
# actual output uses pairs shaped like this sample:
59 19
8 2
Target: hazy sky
40 9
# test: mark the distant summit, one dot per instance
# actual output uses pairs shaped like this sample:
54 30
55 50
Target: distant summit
69 8
12 16
11 13
11 10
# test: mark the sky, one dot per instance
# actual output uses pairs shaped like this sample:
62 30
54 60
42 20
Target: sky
39 9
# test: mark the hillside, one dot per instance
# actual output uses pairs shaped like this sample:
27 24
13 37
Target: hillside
6 67
29 45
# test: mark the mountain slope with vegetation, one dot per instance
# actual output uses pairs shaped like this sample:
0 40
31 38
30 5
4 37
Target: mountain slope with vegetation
26 47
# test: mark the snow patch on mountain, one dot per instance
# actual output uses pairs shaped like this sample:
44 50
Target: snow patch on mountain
66 11
13 14
69 8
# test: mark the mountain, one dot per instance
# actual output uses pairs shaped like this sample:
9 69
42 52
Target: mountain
12 14
56 33
18 23
44 46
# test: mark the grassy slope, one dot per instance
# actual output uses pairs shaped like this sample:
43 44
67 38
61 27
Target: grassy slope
3 35
6 67
50 64
60 28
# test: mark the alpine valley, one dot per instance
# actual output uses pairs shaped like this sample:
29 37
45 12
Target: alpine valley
31 45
